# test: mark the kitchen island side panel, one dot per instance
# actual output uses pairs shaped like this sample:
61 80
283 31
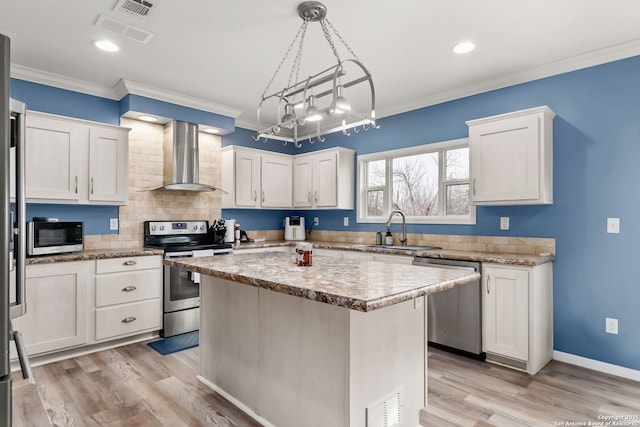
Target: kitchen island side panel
388 355
294 361
229 338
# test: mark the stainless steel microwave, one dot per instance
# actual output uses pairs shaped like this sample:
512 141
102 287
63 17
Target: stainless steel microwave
44 238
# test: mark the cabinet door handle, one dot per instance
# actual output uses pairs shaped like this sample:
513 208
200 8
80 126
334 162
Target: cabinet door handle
488 283
474 186
315 196
255 195
129 289
262 196
76 179
130 262
128 319
309 197
91 185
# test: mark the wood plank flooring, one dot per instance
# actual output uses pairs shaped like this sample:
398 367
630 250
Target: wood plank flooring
466 392
131 385
135 386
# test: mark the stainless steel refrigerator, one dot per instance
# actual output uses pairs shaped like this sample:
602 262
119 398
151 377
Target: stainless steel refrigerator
12 232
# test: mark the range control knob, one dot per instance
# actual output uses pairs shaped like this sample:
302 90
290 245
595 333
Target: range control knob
153 228
162 228
202 228
195 227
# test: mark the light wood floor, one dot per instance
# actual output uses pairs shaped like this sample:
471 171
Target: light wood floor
465 392
126 386
136 386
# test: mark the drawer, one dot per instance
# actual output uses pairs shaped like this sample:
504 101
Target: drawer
128 318
116 265
119 288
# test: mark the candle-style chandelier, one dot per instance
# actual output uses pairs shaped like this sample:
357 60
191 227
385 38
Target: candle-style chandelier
312 107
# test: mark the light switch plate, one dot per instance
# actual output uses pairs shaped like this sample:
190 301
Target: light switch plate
346 221
613 225
316 220
504 223
113 224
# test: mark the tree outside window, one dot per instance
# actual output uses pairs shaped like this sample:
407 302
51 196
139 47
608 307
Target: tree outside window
429 183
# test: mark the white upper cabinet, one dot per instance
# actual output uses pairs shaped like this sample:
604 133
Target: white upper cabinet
108 165
246 180
324 179
53 155
74 161
255 178
264 179
276 181
511 158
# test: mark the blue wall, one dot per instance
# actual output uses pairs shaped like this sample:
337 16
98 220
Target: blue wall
596 170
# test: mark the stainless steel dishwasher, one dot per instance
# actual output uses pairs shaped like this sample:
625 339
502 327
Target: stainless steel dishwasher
454 316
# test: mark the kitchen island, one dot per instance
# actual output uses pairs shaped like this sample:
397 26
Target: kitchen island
339 343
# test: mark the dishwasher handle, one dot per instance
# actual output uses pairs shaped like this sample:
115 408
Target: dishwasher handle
445 266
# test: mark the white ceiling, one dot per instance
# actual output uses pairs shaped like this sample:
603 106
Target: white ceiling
224 52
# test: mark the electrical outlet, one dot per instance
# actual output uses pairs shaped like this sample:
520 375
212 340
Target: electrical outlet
316 220
504 223
346 221
613 225
113 223
611 325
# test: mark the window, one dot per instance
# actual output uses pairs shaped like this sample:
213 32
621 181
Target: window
428 183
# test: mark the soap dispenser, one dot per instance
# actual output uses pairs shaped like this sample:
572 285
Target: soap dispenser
388 238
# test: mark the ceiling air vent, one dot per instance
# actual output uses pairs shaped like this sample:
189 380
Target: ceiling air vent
129 31
137 9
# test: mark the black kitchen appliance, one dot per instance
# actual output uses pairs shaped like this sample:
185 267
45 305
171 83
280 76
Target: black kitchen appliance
181 289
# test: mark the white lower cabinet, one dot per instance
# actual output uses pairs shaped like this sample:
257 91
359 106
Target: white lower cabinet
517 310
128 296
57 306
77 303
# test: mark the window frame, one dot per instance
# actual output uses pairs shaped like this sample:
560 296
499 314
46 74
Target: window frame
387 188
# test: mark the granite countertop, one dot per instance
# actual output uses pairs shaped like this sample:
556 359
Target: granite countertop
93 255
498 258
354 284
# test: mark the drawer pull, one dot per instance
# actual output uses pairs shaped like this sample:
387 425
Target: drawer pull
129 288
129 263
128 319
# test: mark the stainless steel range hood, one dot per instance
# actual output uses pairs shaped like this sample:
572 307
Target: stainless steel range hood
181 158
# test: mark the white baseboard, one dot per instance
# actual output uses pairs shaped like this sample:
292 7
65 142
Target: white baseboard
235 401
596 365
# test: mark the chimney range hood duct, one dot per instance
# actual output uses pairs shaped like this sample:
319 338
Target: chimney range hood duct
181 158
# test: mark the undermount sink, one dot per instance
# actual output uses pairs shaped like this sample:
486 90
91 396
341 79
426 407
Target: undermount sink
404 248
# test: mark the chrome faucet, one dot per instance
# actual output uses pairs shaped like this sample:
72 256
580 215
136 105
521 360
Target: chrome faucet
403 238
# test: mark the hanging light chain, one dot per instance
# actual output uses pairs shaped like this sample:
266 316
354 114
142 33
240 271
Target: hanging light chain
325 30
340 38
298 59
301 30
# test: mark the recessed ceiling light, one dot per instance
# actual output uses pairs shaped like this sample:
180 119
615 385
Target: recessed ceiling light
148 118
211 130
106 45
464 47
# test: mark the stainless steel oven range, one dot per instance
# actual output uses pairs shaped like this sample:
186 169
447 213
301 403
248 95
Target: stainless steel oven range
180 239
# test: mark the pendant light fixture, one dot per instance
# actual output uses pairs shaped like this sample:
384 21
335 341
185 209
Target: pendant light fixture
312 107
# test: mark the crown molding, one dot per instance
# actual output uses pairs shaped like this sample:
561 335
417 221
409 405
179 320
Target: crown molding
62 82
246 124
574 63
124 87
120 90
